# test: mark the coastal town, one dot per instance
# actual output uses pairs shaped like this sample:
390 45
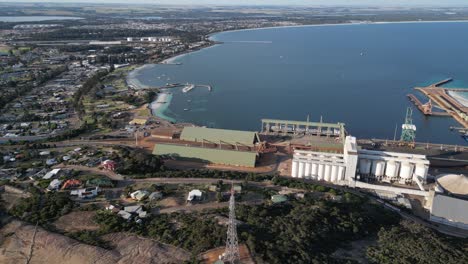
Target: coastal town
94 170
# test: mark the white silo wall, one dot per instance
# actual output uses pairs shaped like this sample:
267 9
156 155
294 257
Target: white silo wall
406 171
334 173
307 170
378 168
365 166
392 169
327 172
301 170
314 170
294 169
341 173
421 170
321 169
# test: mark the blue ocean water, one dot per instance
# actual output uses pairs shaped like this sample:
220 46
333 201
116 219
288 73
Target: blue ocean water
356 74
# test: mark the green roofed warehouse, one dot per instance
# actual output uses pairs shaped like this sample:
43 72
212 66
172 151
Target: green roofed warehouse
218 146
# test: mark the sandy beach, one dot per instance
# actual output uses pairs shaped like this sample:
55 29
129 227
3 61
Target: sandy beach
160 105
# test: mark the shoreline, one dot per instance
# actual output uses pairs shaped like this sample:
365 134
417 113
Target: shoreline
341 24
160 105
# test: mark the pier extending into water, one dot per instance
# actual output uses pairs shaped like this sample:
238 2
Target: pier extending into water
440 96
426 108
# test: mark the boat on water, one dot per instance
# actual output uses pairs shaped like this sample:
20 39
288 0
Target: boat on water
188 87
465 136
186 109
189 100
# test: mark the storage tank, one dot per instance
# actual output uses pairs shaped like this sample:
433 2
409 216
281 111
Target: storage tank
365 166
307 170
341 173
392 169
294 169
334 173
314 170
406 171
421 170
301 170
378 168
327 172
321 169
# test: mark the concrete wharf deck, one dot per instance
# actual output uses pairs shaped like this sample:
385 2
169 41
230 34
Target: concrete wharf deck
440 96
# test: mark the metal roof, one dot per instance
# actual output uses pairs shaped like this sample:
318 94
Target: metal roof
212 155
452 209
201 134
453 183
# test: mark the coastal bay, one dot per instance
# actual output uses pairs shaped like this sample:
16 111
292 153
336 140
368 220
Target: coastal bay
358 74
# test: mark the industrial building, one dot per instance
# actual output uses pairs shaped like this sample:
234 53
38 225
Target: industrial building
355 167
218 146
449 210
359 164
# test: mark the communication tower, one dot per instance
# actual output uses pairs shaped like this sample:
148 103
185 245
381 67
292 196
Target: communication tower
232 255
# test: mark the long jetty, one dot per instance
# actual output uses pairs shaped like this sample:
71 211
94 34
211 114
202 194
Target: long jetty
440 96
423 110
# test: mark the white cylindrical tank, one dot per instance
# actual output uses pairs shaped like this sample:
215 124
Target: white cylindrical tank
294 169
314 170
365 166
378 168
321 169
301 170
406 171
421 170
341 173
327 175
334 173
307 170
392 169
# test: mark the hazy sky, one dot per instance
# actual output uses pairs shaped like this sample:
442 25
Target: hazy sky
272 2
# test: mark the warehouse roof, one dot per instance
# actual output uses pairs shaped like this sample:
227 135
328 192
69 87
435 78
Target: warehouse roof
212 155
450 208
200 134
453 183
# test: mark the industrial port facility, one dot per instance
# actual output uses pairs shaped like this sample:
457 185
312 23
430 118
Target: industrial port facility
324 152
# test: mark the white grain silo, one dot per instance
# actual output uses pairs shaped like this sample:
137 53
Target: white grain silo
341 173
334 173
314 170
392 169
321 169
301 170
294 169
327 172
307 170
406 172
421 170
378 168
365 166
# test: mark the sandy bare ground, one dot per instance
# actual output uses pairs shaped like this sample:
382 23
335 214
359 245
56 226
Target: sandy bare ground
77 221
110 174
52 248
134 249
